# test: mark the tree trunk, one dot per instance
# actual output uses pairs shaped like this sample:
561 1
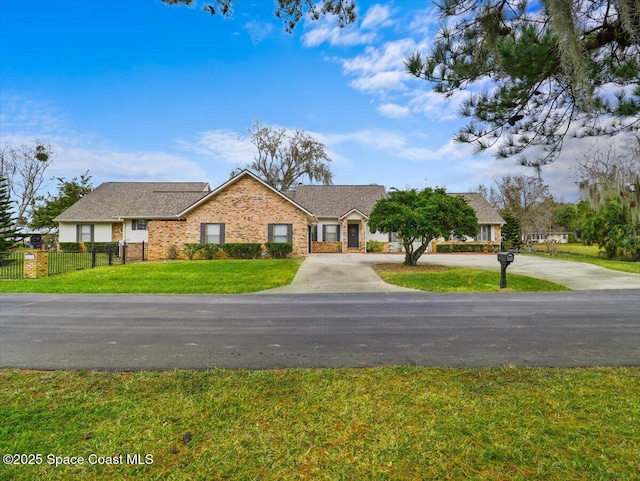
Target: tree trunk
411 256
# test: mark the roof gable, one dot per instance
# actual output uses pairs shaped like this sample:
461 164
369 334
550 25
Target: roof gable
233 180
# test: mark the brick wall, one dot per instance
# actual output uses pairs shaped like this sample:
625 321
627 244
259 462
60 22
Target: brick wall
246 207
326 247
163 234
35 264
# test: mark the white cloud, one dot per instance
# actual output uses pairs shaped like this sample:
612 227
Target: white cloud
224 145
326 29
393 110
377 16
105 165
379 70
258 31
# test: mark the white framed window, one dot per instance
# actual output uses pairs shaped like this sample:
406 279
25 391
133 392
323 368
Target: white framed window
331 232
212 233
280 233
139 224
84 232
484 234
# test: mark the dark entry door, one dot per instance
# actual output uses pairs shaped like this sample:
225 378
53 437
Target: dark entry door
354 235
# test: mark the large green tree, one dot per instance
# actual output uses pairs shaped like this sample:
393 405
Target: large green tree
613 228
50 207
537 71
283 158
511 232
7 220
418 217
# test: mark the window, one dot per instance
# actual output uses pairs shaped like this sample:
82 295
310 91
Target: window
84 232
314 233
212 233
484 234
139 224
394 237
280 233
331 232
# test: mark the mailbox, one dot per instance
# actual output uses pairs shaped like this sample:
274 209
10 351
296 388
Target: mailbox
505 258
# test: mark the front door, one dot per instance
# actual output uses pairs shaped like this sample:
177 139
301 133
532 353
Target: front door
353 235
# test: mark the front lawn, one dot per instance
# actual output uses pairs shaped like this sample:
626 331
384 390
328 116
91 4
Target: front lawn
589 254
458 279
180 277
399 423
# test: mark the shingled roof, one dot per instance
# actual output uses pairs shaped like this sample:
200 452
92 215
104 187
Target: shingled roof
131 200
486 213
337 200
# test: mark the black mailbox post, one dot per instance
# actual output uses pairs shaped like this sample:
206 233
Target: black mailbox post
505 258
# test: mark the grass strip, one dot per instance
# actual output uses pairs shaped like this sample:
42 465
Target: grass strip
181 277
384 423
458 279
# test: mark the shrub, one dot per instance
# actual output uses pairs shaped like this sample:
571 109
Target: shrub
242 250
552 247
465 247
190 250
375 246
172 252
209 250
103 246
279 249
69 246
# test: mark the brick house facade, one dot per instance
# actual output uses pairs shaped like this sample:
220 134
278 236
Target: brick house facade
245 206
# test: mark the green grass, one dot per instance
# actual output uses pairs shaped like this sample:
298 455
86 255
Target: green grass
385 423
181 277
458 279
572 248
590 255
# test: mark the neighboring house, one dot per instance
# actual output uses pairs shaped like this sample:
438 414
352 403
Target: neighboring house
561 237
314 218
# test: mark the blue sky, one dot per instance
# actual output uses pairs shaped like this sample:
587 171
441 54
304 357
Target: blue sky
141 91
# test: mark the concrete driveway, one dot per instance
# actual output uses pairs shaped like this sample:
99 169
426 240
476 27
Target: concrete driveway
352 273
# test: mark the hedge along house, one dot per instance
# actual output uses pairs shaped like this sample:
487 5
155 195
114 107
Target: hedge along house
245 209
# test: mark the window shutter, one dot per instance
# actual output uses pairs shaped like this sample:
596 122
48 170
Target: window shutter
270 233
203 233
221 233
92 231
289 233
338 238
324 233
78 232
134 224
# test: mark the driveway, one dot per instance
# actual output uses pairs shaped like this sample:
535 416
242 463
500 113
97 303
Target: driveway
352 273
340 274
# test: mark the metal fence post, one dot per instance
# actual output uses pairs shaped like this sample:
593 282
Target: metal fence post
93 256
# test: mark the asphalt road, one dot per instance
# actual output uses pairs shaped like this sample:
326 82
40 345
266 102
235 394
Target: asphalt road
582 328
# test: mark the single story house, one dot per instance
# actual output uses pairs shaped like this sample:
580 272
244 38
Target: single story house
314 218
